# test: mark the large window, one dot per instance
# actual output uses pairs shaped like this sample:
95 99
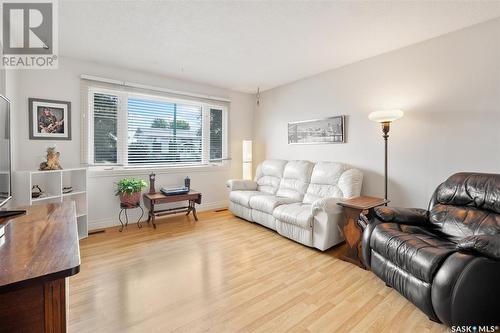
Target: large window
139 130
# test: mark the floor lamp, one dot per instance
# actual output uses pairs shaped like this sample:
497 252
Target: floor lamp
385 118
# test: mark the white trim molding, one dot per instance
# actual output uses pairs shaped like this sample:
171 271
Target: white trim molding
116 171
152 88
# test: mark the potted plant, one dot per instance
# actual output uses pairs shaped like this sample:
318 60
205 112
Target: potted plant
129 190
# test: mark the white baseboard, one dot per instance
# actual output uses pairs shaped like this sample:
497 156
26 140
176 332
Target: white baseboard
102 223
212 205
113 221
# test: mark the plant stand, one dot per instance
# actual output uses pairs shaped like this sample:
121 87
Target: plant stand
124 208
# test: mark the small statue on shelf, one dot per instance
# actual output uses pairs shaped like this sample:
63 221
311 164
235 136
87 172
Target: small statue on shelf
52 162
36 191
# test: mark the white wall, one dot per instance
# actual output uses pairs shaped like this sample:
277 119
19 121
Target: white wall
449 88
64 84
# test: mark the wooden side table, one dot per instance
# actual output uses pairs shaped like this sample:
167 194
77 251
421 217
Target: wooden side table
353 232
151 200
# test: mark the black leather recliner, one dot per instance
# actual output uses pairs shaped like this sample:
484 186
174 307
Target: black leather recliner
445 260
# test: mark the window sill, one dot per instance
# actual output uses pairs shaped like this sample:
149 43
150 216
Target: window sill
114 171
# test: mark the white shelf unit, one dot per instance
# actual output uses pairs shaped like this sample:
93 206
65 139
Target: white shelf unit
52 183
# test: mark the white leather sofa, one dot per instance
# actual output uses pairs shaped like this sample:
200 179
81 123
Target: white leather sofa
298 199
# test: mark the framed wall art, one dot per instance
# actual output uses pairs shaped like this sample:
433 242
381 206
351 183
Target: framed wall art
317 131
49 119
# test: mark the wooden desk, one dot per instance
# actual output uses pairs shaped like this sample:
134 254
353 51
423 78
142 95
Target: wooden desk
353 232
39 252
150 200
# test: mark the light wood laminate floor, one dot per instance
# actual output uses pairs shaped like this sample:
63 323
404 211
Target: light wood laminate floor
223 274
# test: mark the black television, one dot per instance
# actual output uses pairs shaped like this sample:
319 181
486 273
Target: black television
5 158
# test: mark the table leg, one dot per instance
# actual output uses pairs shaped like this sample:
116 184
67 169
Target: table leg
193 208
353 235
152 214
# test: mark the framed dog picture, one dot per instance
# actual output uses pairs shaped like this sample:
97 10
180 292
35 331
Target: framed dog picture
49 119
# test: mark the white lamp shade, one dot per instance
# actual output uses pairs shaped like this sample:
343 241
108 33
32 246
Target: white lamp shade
247 150
247 170
247 159
385 116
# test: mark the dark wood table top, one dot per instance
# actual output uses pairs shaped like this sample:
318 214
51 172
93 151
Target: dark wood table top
177 197
363 202
43 244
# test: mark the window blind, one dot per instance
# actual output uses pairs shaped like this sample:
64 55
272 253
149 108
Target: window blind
216 134
163 133
105 107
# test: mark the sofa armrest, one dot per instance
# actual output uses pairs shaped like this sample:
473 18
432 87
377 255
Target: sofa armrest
367 234
241 185
487 245
327 205
412 216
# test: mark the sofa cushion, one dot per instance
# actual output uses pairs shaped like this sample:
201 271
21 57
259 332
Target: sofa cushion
414 289
457 222
412 248
241 211
268 175
298 214
296 233
267 203
265 219
296 177
479 190
243 197
467 204
324 181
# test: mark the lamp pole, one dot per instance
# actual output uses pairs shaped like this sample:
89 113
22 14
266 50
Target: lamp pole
385 117
385 130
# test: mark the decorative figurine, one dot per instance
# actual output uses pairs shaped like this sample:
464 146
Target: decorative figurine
52 162
36 191
67 189
187 182
152 177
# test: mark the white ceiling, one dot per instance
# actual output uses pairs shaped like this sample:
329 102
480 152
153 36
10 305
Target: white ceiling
242 45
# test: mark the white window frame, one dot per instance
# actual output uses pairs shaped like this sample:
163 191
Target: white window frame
225 125
122 128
